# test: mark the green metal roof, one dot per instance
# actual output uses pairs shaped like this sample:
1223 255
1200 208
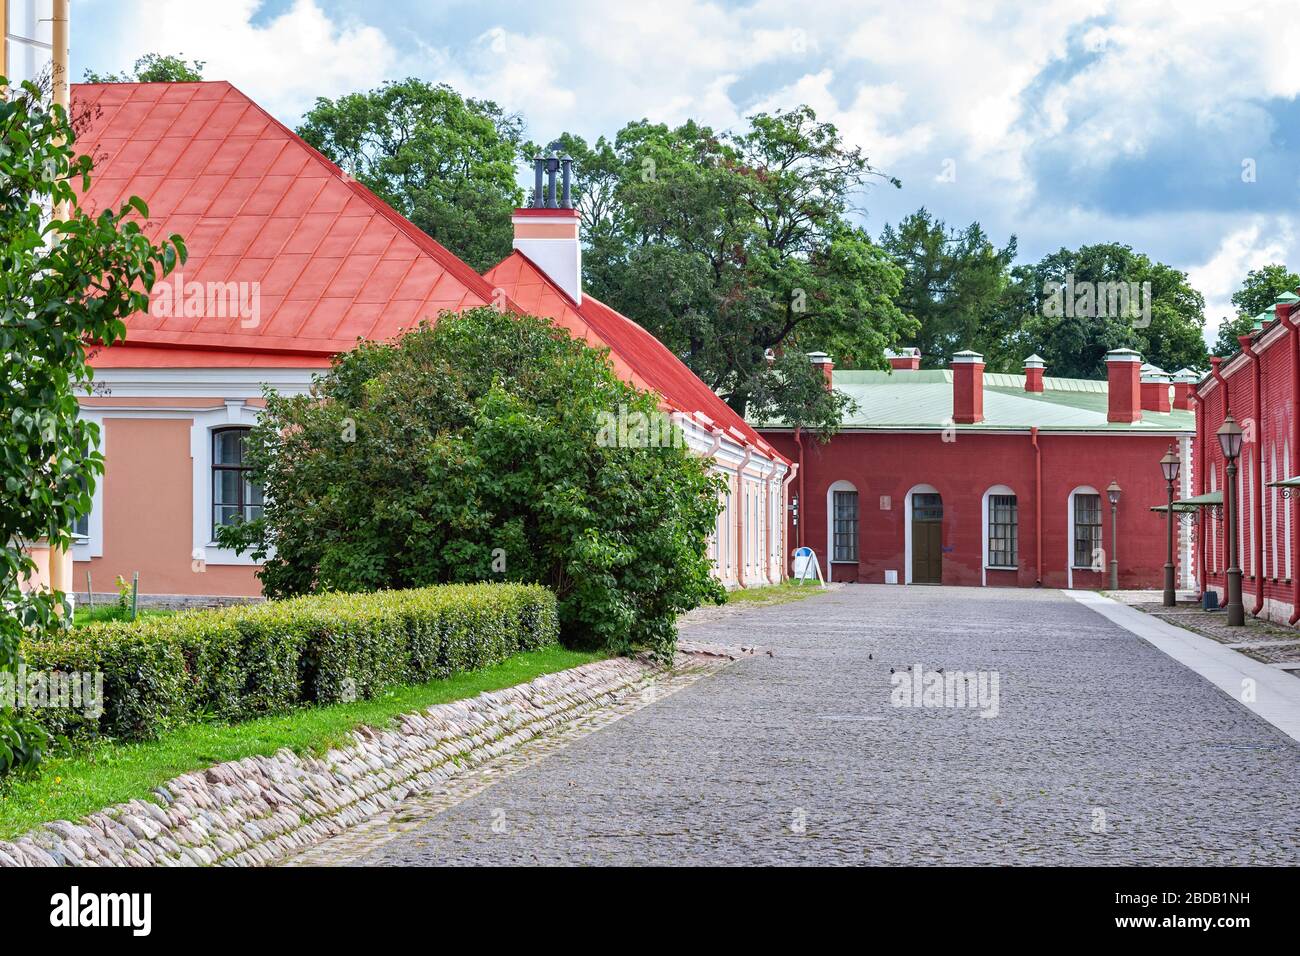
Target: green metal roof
1284 483
923 399
1196 501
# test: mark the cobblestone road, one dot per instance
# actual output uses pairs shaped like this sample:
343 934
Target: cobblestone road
1096 730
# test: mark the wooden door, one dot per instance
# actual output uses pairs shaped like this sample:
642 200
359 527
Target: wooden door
927 539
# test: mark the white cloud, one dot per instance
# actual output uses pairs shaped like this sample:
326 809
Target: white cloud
284 64
862 122
1003 90
1262 241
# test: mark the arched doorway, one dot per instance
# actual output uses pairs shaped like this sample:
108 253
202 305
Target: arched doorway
927 537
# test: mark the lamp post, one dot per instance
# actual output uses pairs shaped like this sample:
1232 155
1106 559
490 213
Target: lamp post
1230 436
1113 493
1169 466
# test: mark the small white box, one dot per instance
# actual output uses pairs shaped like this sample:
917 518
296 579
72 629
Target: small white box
891 577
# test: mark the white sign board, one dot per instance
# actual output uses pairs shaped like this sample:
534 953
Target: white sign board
806 565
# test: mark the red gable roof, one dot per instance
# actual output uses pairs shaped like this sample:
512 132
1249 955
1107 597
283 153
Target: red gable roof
255 203
638 356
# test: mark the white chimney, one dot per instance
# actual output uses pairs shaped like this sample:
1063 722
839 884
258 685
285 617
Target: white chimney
547 231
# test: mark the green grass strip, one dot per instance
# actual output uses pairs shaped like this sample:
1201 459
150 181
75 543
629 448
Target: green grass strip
786 591
72 786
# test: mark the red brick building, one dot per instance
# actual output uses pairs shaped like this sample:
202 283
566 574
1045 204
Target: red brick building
1260 384
961 476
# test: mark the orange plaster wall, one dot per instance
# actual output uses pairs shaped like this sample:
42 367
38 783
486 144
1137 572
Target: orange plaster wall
148 515
40 555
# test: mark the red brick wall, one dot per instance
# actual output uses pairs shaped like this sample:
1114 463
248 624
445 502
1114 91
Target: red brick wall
1266 515
890 464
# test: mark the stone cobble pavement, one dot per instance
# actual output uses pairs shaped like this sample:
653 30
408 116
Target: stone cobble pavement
1103 751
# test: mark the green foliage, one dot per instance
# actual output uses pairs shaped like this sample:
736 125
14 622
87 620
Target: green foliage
468 450
153 68
89 778
1076 346
66 283
124 589
237 663
445 162
734 247
1259 291
954 284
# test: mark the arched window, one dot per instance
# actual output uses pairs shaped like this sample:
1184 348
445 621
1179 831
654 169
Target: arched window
1086 554
842 512
234 496
1001 528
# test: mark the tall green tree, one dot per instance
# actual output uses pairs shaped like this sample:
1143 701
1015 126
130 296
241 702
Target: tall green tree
736 250
1259 290
153 68
954 284
446 162
1067 308
66 284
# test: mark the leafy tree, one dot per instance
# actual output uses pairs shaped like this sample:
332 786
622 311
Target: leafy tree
472 450
735 249
1075 346
1258 292
445 162
65 283
153 68
954 284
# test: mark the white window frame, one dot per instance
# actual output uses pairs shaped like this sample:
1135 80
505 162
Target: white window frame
1070 566
1272 512
235 413
987 524
92 545
841 485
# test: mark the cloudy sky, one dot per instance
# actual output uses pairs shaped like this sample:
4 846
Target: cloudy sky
1172 127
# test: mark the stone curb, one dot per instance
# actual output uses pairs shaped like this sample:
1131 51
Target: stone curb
255 811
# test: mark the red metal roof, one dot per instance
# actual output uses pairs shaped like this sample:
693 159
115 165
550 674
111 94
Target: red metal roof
334 263
638 356
255 203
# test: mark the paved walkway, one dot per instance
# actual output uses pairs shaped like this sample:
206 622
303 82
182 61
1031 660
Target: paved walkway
1103 750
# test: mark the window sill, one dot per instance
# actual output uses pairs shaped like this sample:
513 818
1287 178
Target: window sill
1087 567
846 561
1001 567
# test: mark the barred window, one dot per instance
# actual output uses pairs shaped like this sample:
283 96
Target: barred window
1003 531
845 513
234 497
1087 529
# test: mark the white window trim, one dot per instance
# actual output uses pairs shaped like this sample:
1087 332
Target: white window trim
1070 566
1272 513
907 525
235 412
841 485
984 532
1287 509
92 545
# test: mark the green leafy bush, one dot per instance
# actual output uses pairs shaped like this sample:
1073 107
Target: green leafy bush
239 662
473 450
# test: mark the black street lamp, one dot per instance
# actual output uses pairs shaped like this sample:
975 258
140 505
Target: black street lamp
1113 493
1230 436
1169 466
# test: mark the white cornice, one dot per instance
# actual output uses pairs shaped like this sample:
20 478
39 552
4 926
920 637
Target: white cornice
201 382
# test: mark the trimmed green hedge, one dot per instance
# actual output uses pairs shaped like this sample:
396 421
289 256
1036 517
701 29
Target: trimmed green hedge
240 662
